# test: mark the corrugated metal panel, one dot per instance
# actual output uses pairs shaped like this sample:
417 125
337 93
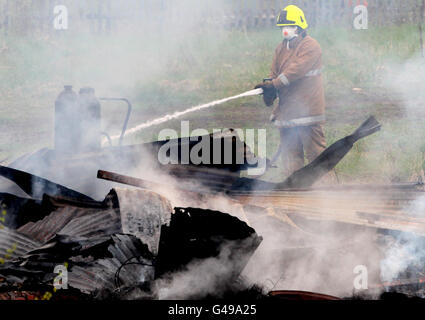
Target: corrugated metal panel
101 274
15 244
45 229
81 221
103 222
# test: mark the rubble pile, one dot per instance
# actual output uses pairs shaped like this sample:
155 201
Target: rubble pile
118 248
134 244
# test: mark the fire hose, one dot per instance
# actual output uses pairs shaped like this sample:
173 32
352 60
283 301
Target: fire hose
178 114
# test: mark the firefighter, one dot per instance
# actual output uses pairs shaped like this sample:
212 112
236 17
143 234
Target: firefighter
297 81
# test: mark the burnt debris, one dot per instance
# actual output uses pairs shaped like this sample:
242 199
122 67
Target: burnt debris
119 248
78 170
132 244
36 186
201 234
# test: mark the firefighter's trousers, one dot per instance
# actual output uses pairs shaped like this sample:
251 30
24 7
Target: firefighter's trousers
297 142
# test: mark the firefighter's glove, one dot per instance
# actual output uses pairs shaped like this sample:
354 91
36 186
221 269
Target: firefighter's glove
269 92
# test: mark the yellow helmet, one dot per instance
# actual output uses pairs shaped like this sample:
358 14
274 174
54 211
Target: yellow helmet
292 16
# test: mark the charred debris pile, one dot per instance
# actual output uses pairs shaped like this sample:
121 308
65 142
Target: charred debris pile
117 248
133 242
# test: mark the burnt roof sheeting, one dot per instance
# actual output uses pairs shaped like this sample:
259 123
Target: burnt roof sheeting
45 229
92 263
15 244
141 213
89 280
65 221
99 223
101 275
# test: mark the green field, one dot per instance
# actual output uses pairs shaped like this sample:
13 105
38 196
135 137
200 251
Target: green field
369 72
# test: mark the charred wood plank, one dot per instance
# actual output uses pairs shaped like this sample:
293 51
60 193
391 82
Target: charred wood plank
140 183
372 219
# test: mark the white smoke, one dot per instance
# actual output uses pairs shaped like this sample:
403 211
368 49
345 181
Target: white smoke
319 257
200 278
406 81
405 251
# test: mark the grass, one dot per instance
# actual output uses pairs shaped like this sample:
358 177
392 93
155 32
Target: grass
168 73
